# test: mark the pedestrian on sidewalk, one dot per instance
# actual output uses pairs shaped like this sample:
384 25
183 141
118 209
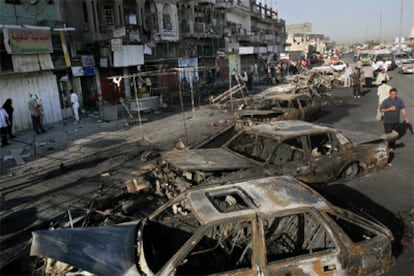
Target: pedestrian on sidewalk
4 126
36 112
356 83
8 106
382 93
75 104
392 107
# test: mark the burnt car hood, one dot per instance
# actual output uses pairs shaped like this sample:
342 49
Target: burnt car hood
99 250
207 160
358 137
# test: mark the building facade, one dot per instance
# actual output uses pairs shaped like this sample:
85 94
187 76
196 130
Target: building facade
103 46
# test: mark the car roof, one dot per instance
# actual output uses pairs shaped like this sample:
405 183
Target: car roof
265 195
284 96
287 128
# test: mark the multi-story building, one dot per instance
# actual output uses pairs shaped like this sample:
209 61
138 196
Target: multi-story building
302 42
31 55
107 43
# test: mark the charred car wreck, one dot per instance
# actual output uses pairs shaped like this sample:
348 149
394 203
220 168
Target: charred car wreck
278 107
258 227
312 153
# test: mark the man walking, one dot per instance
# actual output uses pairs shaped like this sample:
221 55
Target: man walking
75 105
382 93
391 107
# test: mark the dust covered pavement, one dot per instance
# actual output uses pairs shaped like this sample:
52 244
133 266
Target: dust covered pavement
75 164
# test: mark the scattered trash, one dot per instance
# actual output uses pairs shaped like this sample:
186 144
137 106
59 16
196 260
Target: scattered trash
105 174
144 169
135 185
180 144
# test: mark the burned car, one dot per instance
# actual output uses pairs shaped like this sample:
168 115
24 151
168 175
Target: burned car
310 152
266 226
277 107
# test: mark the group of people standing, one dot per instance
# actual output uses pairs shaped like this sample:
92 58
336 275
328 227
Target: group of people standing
35 107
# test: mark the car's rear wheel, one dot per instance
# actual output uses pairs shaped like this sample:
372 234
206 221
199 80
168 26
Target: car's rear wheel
351 171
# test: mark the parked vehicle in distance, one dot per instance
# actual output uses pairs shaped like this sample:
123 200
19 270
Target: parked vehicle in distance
265 226
406 67
400 58
277 107
338 65
384 59
365 57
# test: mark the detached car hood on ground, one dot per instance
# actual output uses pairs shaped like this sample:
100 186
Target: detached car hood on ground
99 250
206 160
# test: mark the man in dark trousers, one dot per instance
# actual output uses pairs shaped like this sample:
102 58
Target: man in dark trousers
356 83
392 107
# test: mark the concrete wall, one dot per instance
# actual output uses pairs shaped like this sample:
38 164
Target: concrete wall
19 87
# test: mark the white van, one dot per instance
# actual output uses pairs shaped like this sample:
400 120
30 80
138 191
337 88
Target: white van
384 59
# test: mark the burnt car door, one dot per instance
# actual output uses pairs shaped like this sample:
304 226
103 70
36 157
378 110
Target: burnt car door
300 243
368 244
295 111
227 248
327 158
290 157
308 107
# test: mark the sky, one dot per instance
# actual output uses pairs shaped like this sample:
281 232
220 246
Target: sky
348 21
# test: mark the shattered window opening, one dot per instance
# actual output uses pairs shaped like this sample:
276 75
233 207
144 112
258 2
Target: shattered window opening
295 235
165 234
288 151
258 148
224 247
321 144
284 104
230 200
355 232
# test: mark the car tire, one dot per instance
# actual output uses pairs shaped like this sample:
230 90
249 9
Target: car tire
350 172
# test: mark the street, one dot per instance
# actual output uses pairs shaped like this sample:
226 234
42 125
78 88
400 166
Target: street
390 191
41 197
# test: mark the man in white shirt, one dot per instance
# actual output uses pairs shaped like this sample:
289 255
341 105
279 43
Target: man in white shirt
75 105
382 93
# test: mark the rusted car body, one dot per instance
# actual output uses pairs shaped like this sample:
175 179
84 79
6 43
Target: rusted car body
271 107
265 226
312 153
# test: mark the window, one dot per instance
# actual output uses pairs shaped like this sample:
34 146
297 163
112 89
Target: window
222 248
166 18
284 104
253 146
295 235
321 144
230 200
289 150
355 232
167 233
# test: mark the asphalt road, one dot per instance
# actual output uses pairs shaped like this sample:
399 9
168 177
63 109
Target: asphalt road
388 194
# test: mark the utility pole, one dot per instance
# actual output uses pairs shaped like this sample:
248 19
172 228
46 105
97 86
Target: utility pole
380 30
401 22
